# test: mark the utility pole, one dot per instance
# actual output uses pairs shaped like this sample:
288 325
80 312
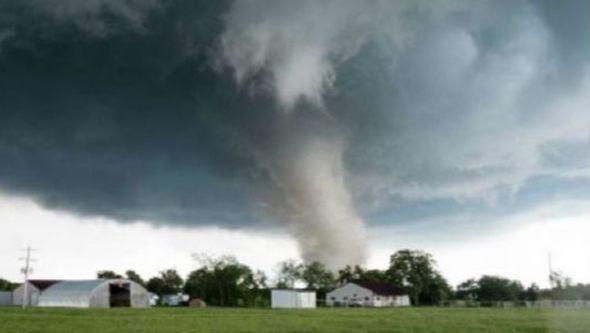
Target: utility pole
556 279
551 276
26 271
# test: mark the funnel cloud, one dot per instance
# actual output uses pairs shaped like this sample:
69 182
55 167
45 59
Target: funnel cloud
315 203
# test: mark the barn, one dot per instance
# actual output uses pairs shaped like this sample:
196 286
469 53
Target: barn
34 290
292 299
367 294
99 293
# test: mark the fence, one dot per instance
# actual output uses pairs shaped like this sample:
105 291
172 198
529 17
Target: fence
574 304
562 304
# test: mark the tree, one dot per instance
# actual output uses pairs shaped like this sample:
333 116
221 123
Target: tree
437 290
495 288
314 275
374 275
317 277
532 293
350 273
467 290
169 282
260 279
172 281
415 271
133 276
6 285
224 281
290 272
106 274
156 285
489 289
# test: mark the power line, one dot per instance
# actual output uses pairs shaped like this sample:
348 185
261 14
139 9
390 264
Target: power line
26 271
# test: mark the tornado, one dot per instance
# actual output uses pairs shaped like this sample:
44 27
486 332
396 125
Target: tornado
316 205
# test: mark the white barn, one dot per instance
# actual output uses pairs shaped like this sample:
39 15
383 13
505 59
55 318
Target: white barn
99 293
367 294
34 290
292 299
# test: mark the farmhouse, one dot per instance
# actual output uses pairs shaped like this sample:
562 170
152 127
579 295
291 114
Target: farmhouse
367 294
100 293
34 290
292 298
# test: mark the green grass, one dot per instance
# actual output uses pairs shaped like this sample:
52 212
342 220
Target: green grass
416 320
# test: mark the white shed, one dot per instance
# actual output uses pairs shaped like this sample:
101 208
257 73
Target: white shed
100 293
292 299
367 294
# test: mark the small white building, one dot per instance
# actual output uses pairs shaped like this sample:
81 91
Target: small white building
154 298
367 294
292 299
175 299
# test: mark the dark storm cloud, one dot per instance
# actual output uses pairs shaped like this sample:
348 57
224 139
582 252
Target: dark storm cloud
126 125
182 111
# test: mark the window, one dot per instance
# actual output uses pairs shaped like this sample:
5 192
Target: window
345 298
378 298
366 298
332 298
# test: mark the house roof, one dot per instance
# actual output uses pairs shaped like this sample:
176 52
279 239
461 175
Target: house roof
382 289
43 284
293 289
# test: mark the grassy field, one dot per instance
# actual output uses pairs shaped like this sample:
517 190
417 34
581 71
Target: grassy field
320 320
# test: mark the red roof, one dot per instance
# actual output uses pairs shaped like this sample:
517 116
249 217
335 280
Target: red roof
43 284
382 289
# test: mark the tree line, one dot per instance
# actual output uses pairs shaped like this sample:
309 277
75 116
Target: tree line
224 281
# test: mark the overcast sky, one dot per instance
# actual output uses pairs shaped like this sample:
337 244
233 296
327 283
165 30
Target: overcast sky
134 133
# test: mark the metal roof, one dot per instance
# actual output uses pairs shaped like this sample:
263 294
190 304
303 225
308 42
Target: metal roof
70 293
75 286
382 289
